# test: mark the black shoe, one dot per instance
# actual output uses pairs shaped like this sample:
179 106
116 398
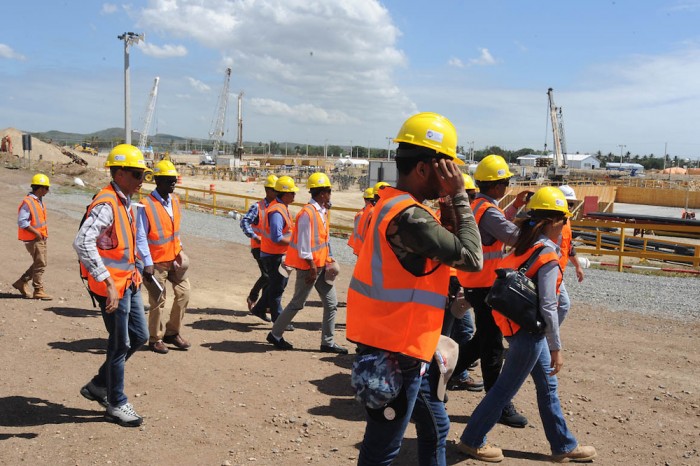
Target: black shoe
511 418
468 384
279 344
334 348
260 315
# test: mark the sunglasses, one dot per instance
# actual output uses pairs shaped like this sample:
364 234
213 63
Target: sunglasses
136 173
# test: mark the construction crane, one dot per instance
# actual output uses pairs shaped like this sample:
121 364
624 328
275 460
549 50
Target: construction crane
219 122
559 168
147 120
239 145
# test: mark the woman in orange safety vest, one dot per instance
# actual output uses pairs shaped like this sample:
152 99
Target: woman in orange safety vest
535 354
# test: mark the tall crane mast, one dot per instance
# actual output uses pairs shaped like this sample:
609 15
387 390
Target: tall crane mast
148 117
239 145
559 169
219 122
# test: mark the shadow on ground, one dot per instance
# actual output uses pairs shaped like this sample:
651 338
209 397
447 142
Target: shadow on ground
22 411
89 345
74 312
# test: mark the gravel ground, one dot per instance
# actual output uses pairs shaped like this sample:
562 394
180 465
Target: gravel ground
670 297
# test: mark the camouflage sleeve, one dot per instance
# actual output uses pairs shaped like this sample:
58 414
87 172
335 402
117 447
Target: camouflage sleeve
414 236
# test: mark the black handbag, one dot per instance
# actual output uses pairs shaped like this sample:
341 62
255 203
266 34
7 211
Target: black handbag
514 295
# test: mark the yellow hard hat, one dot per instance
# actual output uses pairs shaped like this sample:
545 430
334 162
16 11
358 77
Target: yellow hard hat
270 181
379 186
492 168
468 182
433 131
285 184
368 193
125 155
549 198
40 180
318 180
164 168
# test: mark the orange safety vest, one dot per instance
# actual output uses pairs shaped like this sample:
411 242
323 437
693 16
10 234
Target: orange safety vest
163 231
320 247
565 246
511 261
387 306
120 260
267 245
493 254
256 227
37 218
354 239
362 227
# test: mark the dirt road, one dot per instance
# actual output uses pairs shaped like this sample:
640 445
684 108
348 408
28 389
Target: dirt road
630 385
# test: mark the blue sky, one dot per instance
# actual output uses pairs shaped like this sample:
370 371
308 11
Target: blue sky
350 71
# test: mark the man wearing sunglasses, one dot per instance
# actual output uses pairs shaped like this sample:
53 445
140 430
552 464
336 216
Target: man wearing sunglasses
106 247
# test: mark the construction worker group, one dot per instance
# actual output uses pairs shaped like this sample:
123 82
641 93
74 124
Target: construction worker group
417 273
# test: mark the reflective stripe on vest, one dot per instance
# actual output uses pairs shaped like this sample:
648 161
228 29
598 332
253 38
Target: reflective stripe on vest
267 245
119 260
319 240
511 261
388 307
37 219
493 254
164 232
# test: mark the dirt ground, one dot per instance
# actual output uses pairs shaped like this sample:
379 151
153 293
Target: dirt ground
630 385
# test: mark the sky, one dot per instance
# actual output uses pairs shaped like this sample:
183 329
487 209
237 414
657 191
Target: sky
349 72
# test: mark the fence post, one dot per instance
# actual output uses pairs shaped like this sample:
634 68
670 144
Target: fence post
622 249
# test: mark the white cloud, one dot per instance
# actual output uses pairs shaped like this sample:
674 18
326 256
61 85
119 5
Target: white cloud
7 52
305 113
685 6
314 56
456 62
163 51
485 59
198 85
108 8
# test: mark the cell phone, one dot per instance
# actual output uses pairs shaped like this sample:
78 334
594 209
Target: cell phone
528 196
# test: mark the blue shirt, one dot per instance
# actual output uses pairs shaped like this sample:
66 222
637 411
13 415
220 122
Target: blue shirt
143 227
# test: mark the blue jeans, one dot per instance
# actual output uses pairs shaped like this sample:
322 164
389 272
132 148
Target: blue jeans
527 355
382 440
462 332
272 294
128 331
564 303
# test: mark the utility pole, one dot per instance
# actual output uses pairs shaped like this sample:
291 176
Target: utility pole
129 38
388 144
471 151
621 146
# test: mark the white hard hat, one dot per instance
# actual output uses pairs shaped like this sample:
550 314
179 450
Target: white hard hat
568 191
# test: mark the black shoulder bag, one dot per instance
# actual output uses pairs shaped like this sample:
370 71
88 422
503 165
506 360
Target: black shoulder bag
515 295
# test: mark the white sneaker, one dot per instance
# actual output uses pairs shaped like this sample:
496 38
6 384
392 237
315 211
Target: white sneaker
124 415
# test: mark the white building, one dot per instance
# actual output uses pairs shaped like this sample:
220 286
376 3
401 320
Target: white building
583 161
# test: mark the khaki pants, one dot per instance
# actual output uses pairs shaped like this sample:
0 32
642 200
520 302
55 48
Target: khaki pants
35 272
181 288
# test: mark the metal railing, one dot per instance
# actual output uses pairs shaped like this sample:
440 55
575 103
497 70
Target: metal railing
611 238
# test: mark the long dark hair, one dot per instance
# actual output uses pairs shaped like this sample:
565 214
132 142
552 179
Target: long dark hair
532 227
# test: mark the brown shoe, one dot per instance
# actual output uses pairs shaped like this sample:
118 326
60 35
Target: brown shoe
40 294
158 347
23 287
486 453
580 454
177 340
